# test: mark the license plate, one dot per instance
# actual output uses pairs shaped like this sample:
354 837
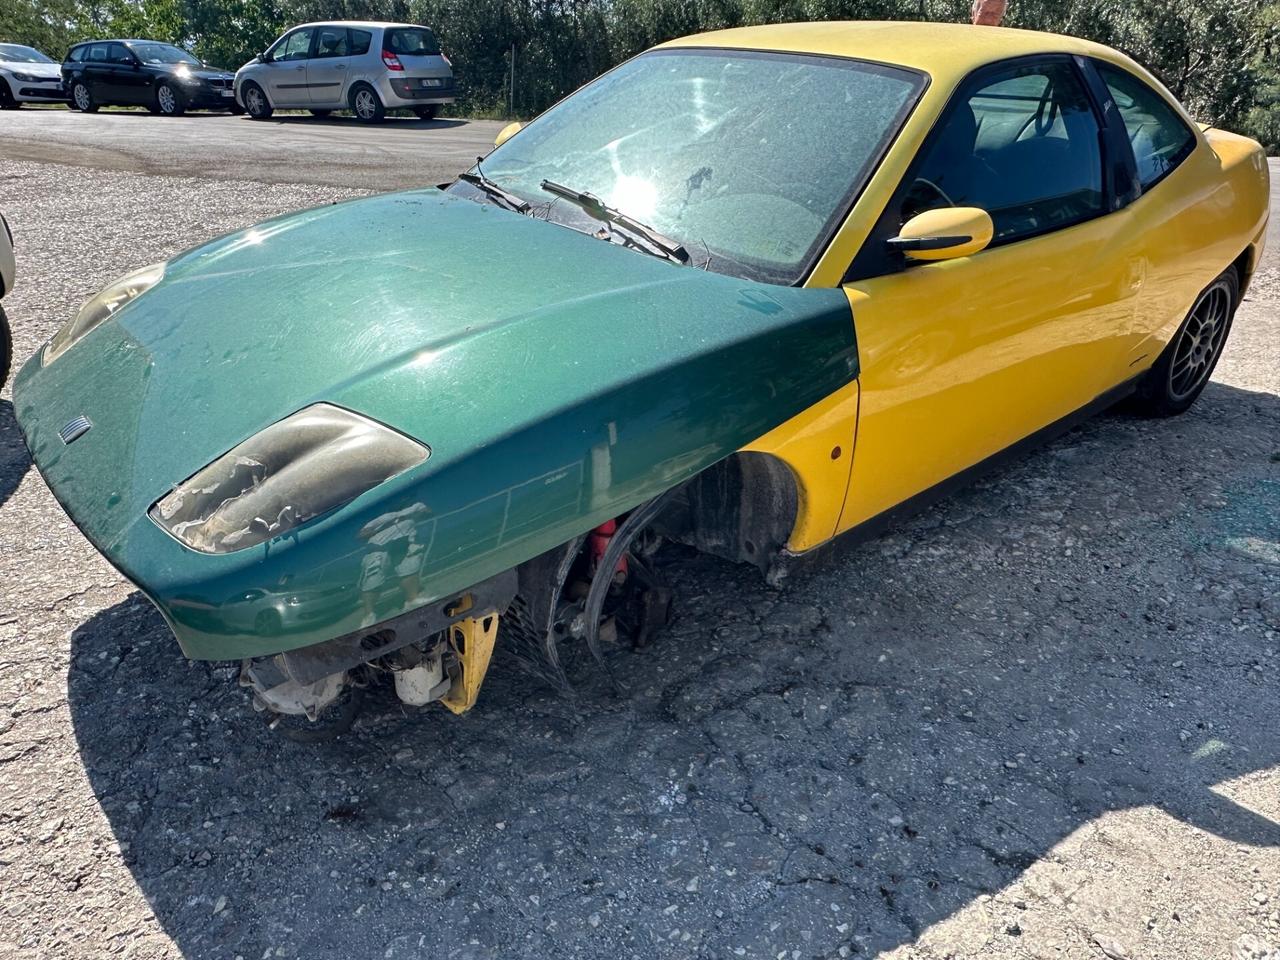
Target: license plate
432 83
227 93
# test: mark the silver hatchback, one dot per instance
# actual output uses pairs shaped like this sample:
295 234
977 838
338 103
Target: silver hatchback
362 66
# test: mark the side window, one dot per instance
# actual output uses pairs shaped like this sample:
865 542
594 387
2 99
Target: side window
332 42
1160 139
77 54
296 46
119 53
1023 144
360 41
98 53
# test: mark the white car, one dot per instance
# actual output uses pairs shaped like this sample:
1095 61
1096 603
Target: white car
6 284
362 66
28 76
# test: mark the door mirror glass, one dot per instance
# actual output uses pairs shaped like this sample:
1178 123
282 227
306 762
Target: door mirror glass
507 132
944 233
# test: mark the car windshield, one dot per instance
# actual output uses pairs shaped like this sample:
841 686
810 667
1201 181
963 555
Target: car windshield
412 42
750 160
15 53
162 53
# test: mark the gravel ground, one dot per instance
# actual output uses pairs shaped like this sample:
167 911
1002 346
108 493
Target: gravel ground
1037 721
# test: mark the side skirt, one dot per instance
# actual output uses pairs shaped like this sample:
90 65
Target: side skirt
787 563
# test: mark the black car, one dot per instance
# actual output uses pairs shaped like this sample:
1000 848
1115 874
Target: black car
159 76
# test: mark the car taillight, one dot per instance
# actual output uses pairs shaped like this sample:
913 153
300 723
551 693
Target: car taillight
391 60
445 58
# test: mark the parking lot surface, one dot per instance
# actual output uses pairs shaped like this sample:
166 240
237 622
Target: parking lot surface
288 148
1039 720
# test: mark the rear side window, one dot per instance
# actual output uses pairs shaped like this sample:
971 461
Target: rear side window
77 54
332 42
1023 144
411 42
359 41
1160 139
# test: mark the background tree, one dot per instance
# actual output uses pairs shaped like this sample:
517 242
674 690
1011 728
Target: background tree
1221 57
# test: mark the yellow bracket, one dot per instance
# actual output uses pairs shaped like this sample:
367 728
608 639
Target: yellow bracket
472 640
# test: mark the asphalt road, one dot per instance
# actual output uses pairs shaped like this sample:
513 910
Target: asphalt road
1037 721
294 148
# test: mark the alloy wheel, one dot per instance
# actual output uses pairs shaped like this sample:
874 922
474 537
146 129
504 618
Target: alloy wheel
1201 342
366 106
168 102
253 100
81 95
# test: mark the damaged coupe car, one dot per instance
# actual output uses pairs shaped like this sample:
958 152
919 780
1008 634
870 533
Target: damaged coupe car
751 291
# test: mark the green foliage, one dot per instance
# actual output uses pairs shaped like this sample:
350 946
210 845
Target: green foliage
1221 57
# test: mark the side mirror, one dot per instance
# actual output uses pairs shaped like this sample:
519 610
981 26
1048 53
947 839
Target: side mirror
264 57
507 132
944 234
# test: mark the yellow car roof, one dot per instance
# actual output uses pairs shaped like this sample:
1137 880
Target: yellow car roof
943 50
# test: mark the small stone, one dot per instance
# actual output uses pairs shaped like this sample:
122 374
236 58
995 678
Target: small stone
1114 949
219 905
1011 764
594 920
1013 930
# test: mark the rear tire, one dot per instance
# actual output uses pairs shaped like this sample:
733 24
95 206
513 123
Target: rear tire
1183 370
7 100
169 101
366 104
321 113
82 98
6 347
427 113
256 103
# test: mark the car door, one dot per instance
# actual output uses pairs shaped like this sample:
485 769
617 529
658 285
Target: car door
286 72
963 358
328 67
95 71
130 80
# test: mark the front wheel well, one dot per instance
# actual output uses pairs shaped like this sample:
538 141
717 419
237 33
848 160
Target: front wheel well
742 508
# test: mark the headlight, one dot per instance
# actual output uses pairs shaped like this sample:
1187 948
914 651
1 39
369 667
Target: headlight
293 471
27 78
101 307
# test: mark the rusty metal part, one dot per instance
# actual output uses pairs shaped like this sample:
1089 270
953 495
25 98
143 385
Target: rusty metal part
308 664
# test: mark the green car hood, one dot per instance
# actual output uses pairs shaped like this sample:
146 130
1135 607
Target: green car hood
558 380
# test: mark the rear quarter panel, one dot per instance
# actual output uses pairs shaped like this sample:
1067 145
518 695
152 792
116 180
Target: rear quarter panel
1198 221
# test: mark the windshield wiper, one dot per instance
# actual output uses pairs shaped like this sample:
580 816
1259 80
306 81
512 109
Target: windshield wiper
595 207
506 197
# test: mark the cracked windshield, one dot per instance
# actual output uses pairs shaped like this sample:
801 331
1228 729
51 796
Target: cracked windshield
710 149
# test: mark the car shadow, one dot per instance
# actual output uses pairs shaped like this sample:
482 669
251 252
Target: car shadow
14 458
843 763
390 122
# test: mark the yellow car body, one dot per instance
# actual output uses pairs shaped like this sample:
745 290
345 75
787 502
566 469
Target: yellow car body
965 358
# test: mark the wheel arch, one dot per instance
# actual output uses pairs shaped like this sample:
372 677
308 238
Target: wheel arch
743 508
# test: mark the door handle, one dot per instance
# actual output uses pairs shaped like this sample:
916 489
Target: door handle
340 66
302 67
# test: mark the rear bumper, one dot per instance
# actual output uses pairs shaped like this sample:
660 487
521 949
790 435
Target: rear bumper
414 91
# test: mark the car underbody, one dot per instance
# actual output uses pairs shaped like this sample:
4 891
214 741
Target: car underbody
602 587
